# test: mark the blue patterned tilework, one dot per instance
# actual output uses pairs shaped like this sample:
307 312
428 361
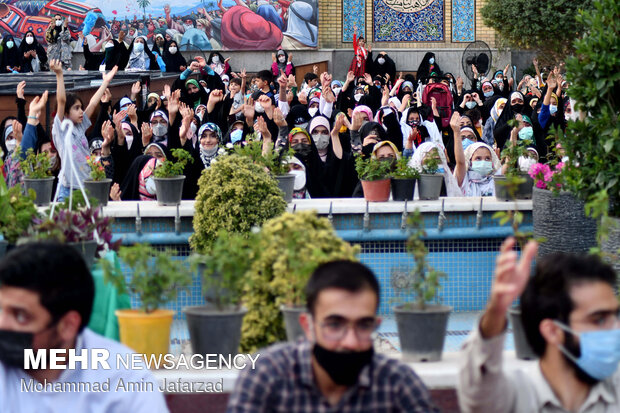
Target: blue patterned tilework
391 25
463 23
353 14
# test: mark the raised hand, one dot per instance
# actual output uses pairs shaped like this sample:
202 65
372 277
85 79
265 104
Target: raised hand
261 126
292 82
358 119
56 66
455 122
167 91
511 277
133 115
147 133
248 108
115 192
273 57
173 101
107 77
107 96
278 118
17 131
339 123
118 117
215 96
20 89
38 104
107 132
350 76
283 81
290 57
368 79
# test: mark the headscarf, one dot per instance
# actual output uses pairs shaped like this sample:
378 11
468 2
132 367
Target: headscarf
318 121
295 131
365 109
138 60
160 113
210 127
516 95
146 173
469 152
194 82
158 146
384 143
452 187
208 156
496 111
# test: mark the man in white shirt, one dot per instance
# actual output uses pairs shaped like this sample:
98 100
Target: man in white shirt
46 299
570 316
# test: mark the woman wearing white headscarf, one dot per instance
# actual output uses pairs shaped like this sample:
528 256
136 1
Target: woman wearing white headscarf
429 149
475 166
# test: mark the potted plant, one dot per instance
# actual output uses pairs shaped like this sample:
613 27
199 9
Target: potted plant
558 215
592 142
156 279
17 213
374 175
274 160
515 180
430 182
216 327
234 194
84 228
288 249
98 186
403 180
169 178
36 170
421 325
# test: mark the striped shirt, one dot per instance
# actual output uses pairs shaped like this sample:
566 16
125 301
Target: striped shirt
282 381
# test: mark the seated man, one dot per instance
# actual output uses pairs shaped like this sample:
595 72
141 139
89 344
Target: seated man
46 299
336 369
570 316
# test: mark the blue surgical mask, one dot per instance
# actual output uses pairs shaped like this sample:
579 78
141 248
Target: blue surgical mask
600 351
470 105
10 44
236 135
466 143
138 47
526 133
488 94
553 109
431 60
484 168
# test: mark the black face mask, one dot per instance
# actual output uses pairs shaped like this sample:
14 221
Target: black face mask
518 108
413 123
12 345
302 149
343 368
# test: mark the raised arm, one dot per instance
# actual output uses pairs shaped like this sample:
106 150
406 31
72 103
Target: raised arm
336 144
94 101
61 97
459 154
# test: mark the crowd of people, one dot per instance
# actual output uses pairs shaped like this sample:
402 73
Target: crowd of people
209 108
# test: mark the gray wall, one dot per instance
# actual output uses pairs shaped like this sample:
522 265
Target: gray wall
339 59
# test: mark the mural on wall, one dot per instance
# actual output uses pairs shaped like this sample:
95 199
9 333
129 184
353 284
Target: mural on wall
408 20
463 23
353 14
195 24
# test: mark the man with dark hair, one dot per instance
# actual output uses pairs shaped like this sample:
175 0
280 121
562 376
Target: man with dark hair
335 369
46 299
569 310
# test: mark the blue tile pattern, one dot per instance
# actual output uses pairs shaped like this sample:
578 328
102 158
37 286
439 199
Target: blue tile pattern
353 14
463 21
390 25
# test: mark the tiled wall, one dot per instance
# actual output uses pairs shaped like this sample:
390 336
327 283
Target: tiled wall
353 14
456 26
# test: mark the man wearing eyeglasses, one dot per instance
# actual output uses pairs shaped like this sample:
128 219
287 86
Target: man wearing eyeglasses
336 368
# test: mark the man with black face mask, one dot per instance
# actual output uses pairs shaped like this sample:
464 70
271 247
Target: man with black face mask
569 311
336 368
46 299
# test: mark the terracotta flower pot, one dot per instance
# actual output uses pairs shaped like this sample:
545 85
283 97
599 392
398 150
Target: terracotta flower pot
376 191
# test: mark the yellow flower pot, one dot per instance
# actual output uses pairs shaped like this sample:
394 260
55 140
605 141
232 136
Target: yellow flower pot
147 334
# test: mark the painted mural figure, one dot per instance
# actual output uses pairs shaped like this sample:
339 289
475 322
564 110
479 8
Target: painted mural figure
58 39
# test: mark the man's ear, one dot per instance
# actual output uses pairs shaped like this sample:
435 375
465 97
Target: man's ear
69 326
552 334
305 320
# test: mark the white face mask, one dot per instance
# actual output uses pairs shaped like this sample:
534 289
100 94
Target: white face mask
282 59
193 128
172 50
149 185
258 108
320 140
336 91
313 111
138 47
10 144
29 39
300 180
160 130
358 96
381 60
215 59
53 159
129 139
58 23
